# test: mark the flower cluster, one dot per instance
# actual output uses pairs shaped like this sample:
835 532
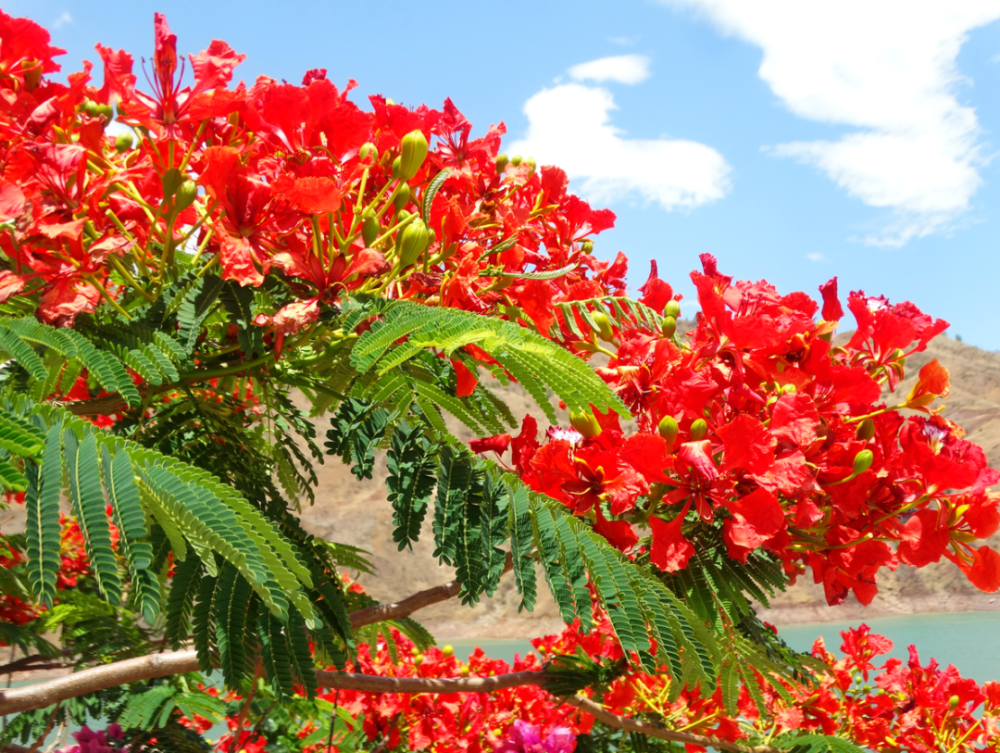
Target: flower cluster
759 422
296 181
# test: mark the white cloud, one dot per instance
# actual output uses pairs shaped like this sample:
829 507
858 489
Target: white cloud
888 69
570 125
815 256
625 69
64 18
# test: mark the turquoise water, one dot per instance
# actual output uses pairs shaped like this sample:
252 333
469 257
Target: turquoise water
969 640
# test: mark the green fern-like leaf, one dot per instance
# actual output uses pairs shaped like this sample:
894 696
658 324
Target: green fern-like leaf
411 482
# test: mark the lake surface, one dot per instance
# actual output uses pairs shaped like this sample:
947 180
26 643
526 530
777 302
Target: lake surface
969 640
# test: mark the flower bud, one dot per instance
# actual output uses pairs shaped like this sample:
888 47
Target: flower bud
90 107
585 423
954 701
464 671
185 195
418 660
668 326
603 326
587 246
369 230
172 180
531 165
699 429
413 153
397 167
413 243
866 430
516 160
673 308
106 111
403 215
32 74
402 196
669 430
368 149
448 650
863 461
502 160
124 142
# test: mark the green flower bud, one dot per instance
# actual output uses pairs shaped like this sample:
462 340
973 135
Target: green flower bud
403 215
603 326
668 325
413 243
585 423
517 160
866 429
448 650
106 111
124 142
397 167
502 160
172 180
954 701
32 74
699 429
863 461
587 247
186 195
673 308
370 230
402 196
531 165
669 430
91 108
413 153
368 149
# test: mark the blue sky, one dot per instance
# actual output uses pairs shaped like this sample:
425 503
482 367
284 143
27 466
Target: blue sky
794 140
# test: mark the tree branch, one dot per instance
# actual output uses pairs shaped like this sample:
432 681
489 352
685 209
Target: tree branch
645 728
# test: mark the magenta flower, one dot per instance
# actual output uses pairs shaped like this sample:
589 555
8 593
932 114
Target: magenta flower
527 738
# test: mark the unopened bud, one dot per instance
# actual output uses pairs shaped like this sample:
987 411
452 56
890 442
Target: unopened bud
402 196
585 423
397 167
669 430
464 671
413 153
516 160
90 107
954 701
172 180
106 111
531 165
32 74
587 246
413 243
368 149
403 215
418 660
699 428
124 142
186 195
369 230
668 326
502 160
603 326
448 650
673 308
866 430
863 461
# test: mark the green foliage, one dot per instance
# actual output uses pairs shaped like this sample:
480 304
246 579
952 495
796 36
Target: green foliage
814 744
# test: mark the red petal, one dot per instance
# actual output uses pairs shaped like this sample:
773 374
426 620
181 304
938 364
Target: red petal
497 444
795 418
670 551
832 310
748 444
985 571
467 381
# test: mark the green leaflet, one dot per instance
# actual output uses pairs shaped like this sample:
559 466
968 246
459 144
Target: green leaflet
411 462
88 504
356 432
42 523
230 606
521 541
494 532
180 601
454 480
431 191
